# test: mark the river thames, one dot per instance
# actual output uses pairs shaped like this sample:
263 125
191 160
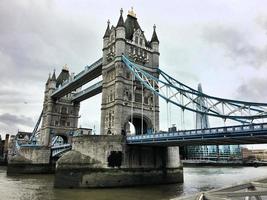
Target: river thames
40 187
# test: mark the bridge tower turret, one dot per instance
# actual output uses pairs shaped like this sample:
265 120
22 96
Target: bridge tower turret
124 99
60 116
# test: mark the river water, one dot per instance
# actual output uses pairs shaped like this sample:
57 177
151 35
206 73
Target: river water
40 187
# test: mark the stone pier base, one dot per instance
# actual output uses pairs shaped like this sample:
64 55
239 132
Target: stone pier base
27 168
107 161
30 160
97 177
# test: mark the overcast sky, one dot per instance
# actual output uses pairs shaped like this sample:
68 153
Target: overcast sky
222 44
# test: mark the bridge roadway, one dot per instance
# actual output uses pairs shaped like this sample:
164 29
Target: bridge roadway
88 74
243 134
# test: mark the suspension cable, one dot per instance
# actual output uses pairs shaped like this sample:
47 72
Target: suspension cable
132 98
154 109
167 94
142 125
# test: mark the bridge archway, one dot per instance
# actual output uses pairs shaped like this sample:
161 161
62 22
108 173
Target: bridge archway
135 123
60 139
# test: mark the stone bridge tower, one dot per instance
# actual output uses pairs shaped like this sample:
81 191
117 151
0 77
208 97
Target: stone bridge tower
60 116
124 99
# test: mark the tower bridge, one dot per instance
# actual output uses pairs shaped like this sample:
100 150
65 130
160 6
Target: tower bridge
132 83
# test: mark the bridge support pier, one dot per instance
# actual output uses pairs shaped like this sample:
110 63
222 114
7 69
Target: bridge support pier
29 160
106 161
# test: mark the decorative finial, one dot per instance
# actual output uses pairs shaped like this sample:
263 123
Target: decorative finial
131 12
121 11
65 67
108 22
154 27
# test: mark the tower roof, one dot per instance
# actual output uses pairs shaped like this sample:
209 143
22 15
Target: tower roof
154 35
63 76
49 78
54 76
121 21
107 33
131 26
199 87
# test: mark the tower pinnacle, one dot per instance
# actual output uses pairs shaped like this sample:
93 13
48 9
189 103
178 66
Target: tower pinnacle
107 32
121 21
154 35
131 12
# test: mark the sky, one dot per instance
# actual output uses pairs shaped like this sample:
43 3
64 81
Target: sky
220 44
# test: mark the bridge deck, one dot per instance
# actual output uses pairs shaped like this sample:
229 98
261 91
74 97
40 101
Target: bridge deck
244 134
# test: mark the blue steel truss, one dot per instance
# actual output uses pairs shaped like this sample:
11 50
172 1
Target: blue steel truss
185 97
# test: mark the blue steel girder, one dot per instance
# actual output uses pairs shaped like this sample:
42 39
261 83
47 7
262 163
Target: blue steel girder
88 74
244 134
185 97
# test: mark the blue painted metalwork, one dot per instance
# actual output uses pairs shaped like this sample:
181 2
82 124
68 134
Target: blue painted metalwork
60 149
243 134
171 90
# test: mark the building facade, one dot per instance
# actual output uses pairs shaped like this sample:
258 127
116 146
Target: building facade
124 99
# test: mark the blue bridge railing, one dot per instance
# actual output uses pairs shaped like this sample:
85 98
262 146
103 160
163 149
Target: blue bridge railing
250 134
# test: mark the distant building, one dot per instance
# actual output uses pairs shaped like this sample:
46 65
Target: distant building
254 154
4 148
210 152
23 137
82 131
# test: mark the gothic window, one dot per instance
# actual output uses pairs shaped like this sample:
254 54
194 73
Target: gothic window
128 75
62 122
68 123
135 50
109 120
146 100
138 97
112 122
136 40
56 123
64 110
141 41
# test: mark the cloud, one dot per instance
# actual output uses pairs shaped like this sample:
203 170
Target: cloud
236 45
15 120
253 90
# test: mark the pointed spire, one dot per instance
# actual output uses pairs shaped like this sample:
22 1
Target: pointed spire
121 21
199 87
154 35
107 33
54 76
49 78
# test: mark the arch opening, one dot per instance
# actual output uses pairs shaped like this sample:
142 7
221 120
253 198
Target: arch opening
58 140
135 126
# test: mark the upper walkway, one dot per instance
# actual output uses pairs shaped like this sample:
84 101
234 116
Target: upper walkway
88 74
